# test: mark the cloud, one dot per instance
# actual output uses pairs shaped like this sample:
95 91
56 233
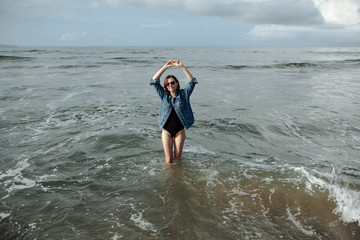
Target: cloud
290 34
285 12
346 12
71 36
305 36
276 21
273 32
278 12
334 22
40 8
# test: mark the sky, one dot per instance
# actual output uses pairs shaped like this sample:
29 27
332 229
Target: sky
180 22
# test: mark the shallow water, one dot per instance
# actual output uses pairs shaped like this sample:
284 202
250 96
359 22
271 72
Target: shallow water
273 154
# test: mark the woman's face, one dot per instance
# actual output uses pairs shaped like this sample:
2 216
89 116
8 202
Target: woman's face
172 85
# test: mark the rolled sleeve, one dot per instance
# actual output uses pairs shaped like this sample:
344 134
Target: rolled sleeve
159 89
153 82
193 81
190 87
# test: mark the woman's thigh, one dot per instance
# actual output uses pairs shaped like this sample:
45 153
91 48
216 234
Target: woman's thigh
179 141
168 144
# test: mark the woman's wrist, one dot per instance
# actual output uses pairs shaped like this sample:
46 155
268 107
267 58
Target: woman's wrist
165 67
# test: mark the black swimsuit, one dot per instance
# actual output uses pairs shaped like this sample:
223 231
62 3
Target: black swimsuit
173 125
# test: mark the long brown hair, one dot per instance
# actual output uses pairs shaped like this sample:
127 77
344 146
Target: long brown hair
166 80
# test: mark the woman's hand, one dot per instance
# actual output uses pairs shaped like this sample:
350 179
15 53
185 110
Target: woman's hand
169 64
172 63
179 64
176 63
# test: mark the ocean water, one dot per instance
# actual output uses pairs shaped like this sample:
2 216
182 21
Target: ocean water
274 152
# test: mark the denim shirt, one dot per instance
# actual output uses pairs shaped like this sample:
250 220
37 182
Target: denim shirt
181 103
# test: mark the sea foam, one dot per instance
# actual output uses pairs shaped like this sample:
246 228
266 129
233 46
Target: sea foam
15 179
347 200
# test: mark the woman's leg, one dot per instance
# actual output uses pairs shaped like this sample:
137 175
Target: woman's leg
179 143
168 144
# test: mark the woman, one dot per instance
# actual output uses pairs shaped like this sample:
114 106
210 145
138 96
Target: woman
175 109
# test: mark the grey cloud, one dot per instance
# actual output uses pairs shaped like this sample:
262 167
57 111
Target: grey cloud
280 12
296 13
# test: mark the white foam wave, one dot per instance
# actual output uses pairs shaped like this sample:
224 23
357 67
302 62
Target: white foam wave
141 223
292 218
4 215
348 204
138 218
21 165
16 179
197 149
116 236
347 200
295 128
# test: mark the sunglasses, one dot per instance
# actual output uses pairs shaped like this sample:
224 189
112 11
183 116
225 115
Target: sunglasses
172 83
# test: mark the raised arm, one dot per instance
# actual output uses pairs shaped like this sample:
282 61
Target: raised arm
162 70
183 68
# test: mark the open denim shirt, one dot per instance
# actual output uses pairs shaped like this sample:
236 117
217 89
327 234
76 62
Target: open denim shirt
181 103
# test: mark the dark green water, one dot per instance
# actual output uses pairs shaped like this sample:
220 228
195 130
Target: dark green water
273 154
